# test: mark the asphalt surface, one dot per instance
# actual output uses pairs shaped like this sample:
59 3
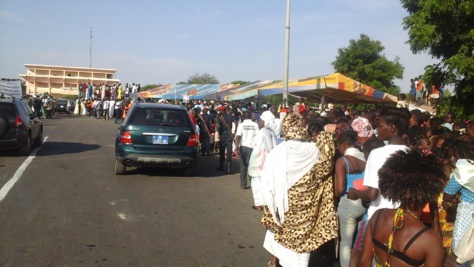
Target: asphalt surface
68 208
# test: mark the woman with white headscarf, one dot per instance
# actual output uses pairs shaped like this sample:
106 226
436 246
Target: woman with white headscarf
263 143
299 212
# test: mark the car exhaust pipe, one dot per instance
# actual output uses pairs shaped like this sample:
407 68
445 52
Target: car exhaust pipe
188 164
128 162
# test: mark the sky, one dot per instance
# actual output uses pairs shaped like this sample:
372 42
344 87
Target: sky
165 42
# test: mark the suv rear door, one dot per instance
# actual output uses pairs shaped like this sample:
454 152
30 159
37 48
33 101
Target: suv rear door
162 129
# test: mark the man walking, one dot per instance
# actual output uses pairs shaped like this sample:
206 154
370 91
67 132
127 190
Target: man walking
246 132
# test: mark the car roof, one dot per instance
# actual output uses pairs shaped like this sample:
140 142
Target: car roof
158 105
8 100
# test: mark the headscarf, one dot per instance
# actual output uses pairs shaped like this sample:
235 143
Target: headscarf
293 129
286 164
363 127
340 128
269 118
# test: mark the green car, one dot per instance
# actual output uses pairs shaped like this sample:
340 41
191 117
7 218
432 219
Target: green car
156 135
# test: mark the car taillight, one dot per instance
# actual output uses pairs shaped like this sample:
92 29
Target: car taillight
192 140
18 121
125 137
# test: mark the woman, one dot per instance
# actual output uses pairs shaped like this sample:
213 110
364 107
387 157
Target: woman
349 168
263 143
298 187
396 237
460 153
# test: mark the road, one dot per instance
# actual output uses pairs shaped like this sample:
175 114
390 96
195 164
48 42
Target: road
68 208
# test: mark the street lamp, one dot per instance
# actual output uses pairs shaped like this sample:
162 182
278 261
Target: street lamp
287 54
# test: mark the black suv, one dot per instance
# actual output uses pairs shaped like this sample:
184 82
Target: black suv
157 135
19 127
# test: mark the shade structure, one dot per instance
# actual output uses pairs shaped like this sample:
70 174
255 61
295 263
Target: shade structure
335 87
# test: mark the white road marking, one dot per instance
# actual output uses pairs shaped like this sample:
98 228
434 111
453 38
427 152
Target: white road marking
9 185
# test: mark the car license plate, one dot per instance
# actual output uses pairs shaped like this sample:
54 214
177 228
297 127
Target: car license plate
62 106
160 139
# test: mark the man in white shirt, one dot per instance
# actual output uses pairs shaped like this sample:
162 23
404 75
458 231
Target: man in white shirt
392 125
246 132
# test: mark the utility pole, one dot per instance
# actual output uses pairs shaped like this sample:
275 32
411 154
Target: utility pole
90 48
287 54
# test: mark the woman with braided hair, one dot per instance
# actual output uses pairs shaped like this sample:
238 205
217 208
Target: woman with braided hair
397 237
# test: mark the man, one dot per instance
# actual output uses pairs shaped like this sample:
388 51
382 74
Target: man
419 92
205 142
203 131
392 125
246 132
224 124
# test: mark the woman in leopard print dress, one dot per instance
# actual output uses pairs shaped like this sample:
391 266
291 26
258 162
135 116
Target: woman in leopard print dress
299 214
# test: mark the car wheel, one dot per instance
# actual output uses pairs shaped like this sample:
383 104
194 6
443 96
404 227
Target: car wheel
25 148
120 168
39 140
191 170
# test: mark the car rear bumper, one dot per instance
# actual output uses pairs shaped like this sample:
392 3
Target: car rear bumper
12 144
140 160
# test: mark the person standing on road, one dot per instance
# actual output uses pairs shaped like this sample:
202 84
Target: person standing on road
246 132
204 123
263 143
224 123
298 186
397 237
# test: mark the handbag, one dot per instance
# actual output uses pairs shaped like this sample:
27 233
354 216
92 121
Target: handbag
465 250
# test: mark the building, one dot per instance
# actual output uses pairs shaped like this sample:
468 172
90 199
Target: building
63 80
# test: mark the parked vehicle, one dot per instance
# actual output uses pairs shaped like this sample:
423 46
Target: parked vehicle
63 106
20 129
156 135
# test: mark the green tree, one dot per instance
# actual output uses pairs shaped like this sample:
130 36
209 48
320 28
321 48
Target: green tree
149 86
240 82
445 30
204 78
364 61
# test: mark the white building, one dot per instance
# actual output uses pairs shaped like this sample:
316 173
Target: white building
64 80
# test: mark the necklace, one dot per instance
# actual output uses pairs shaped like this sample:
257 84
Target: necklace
411 214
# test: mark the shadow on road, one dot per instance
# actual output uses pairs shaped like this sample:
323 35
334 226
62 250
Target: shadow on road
206 169
59 148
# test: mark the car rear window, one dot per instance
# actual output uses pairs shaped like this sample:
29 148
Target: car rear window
7 109
159 116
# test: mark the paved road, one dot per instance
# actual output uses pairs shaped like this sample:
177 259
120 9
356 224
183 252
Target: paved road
69 209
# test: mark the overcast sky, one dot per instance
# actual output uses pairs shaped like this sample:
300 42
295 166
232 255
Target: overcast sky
163 42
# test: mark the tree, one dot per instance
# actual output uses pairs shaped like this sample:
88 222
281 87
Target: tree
445 29
204 78
240 82
149 86
364 61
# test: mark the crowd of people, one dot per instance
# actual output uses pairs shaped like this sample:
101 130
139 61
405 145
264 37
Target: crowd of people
340 187
422 94
345 187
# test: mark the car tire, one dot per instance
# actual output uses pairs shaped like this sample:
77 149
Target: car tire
39 139
25 148
120 168
191 170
